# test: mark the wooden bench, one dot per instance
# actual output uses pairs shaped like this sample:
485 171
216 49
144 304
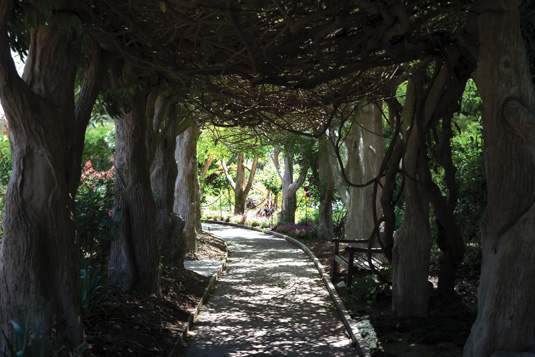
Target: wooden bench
352 261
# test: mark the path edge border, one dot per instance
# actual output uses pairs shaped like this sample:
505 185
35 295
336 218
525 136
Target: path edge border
193 315
352 329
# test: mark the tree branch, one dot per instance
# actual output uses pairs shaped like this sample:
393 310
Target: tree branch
294 186
251 175
275 158
91 87
227 175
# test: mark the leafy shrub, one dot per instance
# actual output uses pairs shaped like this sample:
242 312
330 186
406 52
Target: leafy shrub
91 289
468 158
30 343
5 167
370 288
99 145
27 342
94 202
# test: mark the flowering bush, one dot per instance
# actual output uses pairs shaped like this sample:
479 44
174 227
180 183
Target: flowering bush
94 202
295 231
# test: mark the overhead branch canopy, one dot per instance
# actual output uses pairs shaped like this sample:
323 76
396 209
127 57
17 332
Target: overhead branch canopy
292 43
335 50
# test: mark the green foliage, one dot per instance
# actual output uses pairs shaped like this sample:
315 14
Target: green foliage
28 343
100 145
91 289
467 149
271 182
467 156
5 168
470 105
94 201
303 149
370 288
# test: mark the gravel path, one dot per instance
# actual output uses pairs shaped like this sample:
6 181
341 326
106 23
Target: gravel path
270 301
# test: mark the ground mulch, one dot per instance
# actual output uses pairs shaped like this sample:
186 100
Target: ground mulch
442 332
128 324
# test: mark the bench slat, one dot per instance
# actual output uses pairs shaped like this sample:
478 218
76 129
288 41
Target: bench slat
341 260
363 250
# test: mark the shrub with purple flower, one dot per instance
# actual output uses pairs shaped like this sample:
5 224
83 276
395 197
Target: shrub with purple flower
295 231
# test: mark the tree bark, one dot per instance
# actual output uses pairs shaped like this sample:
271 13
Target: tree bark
198 210
412 242
134 256
391 168
162 145
289 188
365 155
39 255
325 227
242 185
185 187
506 318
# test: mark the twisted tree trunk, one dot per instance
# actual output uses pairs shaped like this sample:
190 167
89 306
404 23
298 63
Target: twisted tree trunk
242 185
412 242
164 126
289 187
506 318
186 187
134 256
365 155
39 255
326 190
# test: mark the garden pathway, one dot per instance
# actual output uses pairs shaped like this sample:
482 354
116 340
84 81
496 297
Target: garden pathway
270 301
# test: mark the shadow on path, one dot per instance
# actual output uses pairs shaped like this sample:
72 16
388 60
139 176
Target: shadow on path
270 301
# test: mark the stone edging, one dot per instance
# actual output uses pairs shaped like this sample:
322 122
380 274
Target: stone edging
360 344
193 315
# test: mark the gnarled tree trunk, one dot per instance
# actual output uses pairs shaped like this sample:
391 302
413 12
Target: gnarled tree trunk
365 155
506 318
186 187
325 227
242 185
134 256
39 256
289 188
165 125
412 242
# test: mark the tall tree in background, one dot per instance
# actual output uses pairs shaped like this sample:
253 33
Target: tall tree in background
365 153
506 318
289 186
428 99
242 185
165 123
325 227
186 186
134 255
39 255
412 243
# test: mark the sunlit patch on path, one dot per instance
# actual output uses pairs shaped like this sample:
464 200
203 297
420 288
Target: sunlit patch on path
270 301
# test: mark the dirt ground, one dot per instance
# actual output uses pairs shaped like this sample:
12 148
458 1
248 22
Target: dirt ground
442 333
126 324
